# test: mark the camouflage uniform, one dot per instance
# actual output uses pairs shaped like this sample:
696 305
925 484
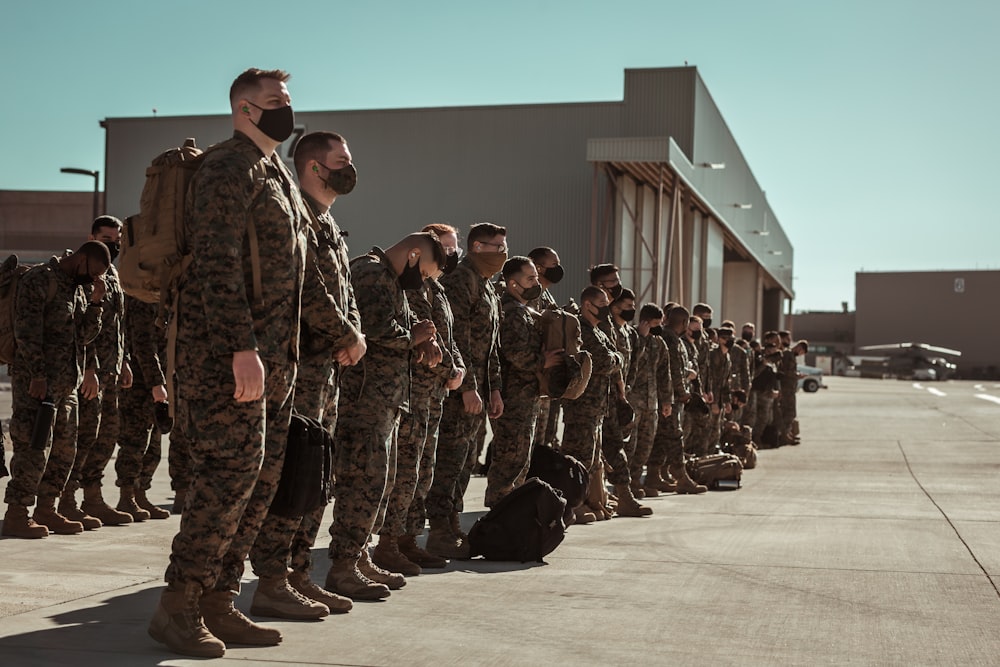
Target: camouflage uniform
584 416
440 313
326 327
372 395
477 328
763 388
789 380
718 372
651 388
521 359
617 445
236 461
741 376
668 443
146 346
50 335
695 423
547 420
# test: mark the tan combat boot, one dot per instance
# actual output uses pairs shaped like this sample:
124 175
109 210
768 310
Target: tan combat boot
627 505
69 509
177 622
230 625
127 504
394 580
179 496
441 541
94 505
455 521
649 485
388 557
583 515
46 515
344 578
17 523
142 501
337 604
684 482
275 598
637 491
425 559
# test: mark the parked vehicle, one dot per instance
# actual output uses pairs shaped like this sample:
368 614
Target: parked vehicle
812 378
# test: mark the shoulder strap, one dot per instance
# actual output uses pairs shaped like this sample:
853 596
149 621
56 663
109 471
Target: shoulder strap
259 175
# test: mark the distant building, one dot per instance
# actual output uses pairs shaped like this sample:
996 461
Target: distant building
37 224
830 335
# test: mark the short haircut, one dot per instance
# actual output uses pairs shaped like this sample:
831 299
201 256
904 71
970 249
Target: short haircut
701 309
677 315
591 293
250 81
440 229
600 270
804 344
103 221
514 266
694 319
314 146
650 311
728 323
670 305
626 294
483 231
750 324
96 251
430 239
784 333
538 254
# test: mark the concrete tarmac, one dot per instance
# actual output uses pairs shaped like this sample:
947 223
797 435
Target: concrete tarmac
875 542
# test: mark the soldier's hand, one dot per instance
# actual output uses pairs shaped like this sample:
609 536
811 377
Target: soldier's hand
496 404
667 410
644 328
248 372
125 381
729 408
91 386
39 388
159 393
422 331
715 409
431 354
456 380
472 401
685 398
710 397
100 289
358 350
553 358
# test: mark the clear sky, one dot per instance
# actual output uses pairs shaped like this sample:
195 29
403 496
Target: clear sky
871 124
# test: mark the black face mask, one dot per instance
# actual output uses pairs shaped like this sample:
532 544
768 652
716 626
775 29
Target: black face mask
278 123
656 331
554 273
411 277
696 334
706 322
113 249
603 312
627 315
616 291
451 263
342 180
531 293
747 336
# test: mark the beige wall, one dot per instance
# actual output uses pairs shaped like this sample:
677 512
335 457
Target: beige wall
37 224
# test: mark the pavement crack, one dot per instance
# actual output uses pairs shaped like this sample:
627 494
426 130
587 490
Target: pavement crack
948 519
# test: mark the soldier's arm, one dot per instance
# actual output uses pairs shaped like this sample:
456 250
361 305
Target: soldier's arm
637 355
604 360
493 370
461 299
321 313
29 320
144 334
517 345
88 316
664 380
380 321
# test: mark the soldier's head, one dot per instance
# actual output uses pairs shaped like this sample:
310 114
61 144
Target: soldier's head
650 319
448 236
89 262
324 165
748 332
606 277
726 336
520 278
677 319
262 107
623 307
417 257
487 248
546 260
786 338
694 327
594 304
704 311
108 230
801 347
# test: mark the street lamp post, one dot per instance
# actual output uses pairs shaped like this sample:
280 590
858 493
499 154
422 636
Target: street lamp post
97 188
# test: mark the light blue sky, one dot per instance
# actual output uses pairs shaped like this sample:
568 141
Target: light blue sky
872 125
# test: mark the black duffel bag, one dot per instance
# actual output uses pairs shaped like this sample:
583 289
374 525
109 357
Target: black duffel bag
307 474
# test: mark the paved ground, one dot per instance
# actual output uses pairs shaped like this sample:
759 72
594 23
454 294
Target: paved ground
877 541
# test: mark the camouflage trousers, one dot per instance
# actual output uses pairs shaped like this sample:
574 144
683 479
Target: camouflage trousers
582 434
668 443
364 466
27 465
179 460
416 515
643 432
749 413
410 443
235 464
696 427
785 411
457 451
763 414
617 447
137 435
511 445
97 435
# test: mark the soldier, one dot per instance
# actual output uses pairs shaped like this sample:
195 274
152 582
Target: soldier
521 359
477 326
53 320
325 168
372 395
697 414
765 390
397 550
140 437
107 370
668 445
550 272
789 386
584 417
238 309
650 395
719 373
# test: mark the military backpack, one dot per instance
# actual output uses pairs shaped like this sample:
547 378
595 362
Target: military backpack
561 331
525 525
11 272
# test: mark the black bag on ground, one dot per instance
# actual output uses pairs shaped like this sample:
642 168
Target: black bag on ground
718 471
526 525
307 471
564 473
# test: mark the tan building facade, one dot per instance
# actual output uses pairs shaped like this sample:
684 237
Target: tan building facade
37 224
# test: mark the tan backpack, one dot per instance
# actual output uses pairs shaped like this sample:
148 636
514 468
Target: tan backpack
561 331
10 275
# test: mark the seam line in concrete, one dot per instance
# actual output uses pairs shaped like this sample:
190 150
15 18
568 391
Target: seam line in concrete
777 566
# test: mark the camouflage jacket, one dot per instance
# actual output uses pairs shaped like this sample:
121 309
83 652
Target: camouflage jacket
431 303
218 311
606 363
652 385
545 301
476 309
382 377
718 371
145 343
107 352
521 356
679 365
789 372
741 368
50 333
